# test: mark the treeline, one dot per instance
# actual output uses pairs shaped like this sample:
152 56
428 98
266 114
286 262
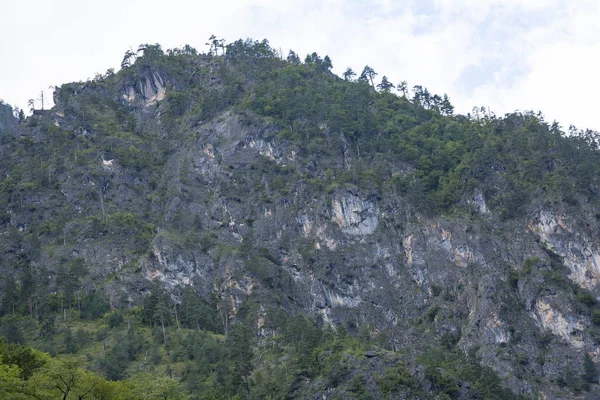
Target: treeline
50 300
283 357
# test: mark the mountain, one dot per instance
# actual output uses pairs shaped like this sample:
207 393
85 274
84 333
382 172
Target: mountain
266 228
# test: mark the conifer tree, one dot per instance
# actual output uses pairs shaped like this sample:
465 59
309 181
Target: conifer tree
385 85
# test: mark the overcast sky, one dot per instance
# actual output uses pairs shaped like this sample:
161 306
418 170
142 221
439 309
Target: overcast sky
503 54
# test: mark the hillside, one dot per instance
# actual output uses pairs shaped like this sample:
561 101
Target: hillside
245 225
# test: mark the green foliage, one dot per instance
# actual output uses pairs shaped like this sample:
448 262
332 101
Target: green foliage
10 297
115 319
116 360
25 358
396 378
210 366
436 290
157 307
585 297
70 343
134 227
513 277
11 383
207 240
151 387
10 330
445 369
239 342
590 371
195 313
529 263
94 305
432 313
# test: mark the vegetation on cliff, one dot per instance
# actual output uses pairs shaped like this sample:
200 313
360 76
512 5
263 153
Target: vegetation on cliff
93 191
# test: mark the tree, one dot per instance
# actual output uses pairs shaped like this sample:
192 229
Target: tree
11 330
240 353
436 102
25 358
417 94
313 59
221 45
326 64
349 74
368 74
446 108
403 88
68 279
426 96
69 342
187 49
17 113
215 44
156 309
42 288
47 317
385 85
11 385
590 373
150 51
31 104
64 379
10 297
195 314
148 386
27 287
128 59
293 58
124 307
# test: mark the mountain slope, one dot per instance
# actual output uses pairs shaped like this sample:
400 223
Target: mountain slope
272 186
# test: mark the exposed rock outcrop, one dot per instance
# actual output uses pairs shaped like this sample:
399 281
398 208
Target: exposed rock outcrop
147 89
355 215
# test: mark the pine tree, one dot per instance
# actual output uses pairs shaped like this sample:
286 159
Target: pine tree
385 85
240 353
368 75
10 297
348 74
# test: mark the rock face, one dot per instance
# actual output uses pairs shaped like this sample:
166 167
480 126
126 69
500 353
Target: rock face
355 216
148 89
232 209
578 252
568 328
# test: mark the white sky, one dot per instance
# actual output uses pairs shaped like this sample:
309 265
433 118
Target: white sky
503 54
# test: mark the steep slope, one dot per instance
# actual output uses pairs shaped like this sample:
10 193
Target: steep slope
7 119
271 185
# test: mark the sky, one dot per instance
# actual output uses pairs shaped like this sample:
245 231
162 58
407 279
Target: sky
505 55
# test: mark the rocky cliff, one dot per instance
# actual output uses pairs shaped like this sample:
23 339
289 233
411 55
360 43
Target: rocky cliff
242 177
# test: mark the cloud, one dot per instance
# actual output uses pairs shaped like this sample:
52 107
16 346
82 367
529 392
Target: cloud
505 54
